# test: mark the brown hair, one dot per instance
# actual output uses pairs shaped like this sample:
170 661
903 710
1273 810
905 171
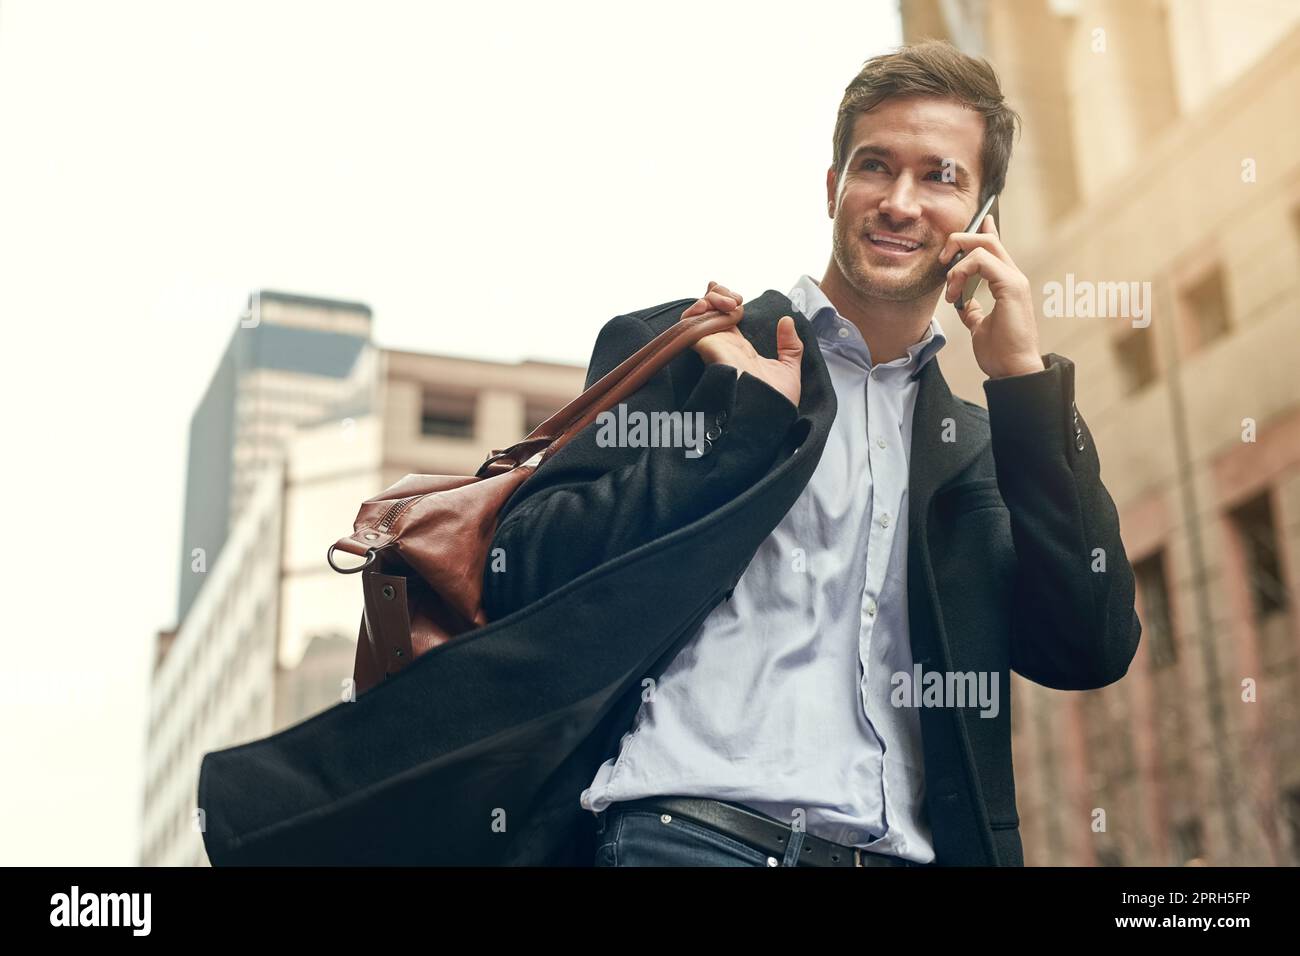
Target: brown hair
934 68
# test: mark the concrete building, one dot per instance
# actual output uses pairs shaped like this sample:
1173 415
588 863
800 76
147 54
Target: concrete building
291 358
1157 178
215 676
310 420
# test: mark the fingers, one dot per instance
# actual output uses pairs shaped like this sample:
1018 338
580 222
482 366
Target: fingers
789 347
712 301
998 273
722 301
718 298
723 290
986 238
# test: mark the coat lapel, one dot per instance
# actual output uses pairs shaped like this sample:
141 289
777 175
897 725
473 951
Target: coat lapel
935 462
951 778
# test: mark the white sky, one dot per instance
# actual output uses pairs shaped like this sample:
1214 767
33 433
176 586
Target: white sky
495 181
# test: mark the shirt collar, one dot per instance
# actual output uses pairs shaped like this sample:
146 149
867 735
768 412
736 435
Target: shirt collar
808 298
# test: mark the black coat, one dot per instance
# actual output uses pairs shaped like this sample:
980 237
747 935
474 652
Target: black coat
478 751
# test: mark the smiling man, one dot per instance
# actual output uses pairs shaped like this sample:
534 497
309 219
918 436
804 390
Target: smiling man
932 537
764 653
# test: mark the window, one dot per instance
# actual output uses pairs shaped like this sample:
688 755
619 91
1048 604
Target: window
537 411
1135 354
1207 307
448 415
1156 626
1256 528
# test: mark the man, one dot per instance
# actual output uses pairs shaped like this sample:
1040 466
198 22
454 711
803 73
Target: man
780 717
725 654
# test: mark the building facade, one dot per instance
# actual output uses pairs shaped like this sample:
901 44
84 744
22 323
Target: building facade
1153 201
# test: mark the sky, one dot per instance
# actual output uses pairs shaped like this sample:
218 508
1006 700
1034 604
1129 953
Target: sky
495 181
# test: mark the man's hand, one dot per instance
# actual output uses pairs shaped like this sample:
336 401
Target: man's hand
1005 341
729 347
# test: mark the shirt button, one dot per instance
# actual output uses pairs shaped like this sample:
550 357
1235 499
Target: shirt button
844 333
713 432
720 418
871 608
884 520
880 443
772 861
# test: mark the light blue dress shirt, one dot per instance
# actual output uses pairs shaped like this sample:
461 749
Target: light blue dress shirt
781 701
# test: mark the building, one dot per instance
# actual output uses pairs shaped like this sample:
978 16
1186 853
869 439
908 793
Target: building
1155 194
215 676
304 419
293 357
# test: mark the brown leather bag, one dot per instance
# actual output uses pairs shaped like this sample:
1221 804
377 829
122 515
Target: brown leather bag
425 539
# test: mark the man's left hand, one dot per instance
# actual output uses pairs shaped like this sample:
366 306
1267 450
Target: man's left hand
1005 341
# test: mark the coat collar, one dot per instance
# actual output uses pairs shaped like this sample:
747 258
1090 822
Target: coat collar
934 461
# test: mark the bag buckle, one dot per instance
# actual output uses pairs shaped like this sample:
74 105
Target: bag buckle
329 558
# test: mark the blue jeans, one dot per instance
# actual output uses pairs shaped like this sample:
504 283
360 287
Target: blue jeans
640 837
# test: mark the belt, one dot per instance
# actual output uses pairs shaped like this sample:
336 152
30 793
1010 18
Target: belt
761 831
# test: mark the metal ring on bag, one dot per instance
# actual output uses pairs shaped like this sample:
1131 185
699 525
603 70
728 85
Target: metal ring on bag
370 559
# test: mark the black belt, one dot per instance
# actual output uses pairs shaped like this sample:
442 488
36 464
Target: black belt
760 831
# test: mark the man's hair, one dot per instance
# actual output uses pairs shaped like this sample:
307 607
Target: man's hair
934 68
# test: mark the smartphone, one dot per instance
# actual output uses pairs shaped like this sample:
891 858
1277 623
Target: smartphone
973 283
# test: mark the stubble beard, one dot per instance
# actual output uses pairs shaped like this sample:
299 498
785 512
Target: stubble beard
882 282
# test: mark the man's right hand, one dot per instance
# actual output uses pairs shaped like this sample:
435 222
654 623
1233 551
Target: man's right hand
729 347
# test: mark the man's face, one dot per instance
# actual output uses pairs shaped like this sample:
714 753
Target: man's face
912 177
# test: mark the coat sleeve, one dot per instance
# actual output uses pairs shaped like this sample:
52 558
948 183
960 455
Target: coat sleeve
589 504
1074 626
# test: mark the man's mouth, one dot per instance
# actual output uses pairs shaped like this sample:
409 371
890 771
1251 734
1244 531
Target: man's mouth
892 244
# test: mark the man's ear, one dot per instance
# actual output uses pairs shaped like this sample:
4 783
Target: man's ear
831 183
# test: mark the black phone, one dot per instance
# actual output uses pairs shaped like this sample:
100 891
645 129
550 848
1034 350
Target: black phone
973 283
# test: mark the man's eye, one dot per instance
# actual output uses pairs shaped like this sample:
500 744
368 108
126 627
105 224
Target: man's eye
869 163
938 177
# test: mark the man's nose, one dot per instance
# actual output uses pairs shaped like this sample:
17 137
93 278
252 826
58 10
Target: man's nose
900 202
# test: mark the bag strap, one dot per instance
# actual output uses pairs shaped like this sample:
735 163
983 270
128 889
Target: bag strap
551 435
614 386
